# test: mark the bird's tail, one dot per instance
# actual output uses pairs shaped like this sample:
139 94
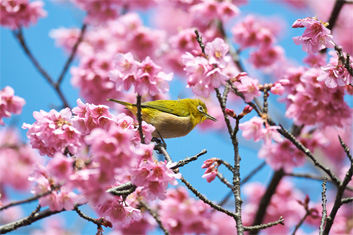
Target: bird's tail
129 106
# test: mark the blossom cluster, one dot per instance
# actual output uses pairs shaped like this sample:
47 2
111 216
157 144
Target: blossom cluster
252 32
115 156
19 13
9 103
16 163
315 37
285 194
205 72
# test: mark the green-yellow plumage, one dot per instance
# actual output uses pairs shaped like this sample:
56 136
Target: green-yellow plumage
171 118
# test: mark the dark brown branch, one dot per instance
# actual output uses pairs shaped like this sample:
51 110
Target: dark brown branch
324 211
154 215
48 78
72 55
199 40
27 220
334 14
262 226
266 198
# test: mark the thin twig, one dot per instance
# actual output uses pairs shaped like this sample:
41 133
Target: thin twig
224 180
187 160
308 153
246 179
339 194
345 148
30 199
154 215
48 78
226 164
223 107
262 226
199 40
324 211
300 223
347 200
205 200
314 177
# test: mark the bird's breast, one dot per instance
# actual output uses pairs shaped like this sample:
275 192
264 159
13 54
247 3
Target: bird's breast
169 125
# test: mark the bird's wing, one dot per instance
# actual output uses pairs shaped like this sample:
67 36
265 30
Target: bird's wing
168 107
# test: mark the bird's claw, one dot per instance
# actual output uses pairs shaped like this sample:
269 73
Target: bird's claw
159 144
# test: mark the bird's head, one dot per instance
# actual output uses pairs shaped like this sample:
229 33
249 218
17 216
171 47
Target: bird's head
199 112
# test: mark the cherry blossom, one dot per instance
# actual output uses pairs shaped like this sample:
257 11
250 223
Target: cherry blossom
335 76
18 13
315 37
9 103
53 132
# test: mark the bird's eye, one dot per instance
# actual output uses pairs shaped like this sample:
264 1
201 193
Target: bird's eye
200 108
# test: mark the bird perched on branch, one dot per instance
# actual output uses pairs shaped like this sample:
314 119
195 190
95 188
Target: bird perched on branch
171 118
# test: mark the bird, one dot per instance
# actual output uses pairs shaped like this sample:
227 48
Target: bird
171 118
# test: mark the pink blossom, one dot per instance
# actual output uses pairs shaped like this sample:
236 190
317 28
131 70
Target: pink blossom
16 161
315 59
285 194
182 214
282 155
217 51
65 37
311 102
205 74
53 132
266 56
91 76
315 37
118 212
154 178
90 116
145 77
61 167
335 75
210 173
58 201
9 103
248 86
18 13
251 32
252 128
277 89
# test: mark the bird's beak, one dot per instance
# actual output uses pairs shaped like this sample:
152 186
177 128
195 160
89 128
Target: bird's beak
210 117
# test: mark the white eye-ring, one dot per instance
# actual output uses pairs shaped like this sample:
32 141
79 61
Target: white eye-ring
200 108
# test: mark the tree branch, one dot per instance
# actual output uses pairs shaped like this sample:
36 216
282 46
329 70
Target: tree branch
262 226
324 211
154 215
